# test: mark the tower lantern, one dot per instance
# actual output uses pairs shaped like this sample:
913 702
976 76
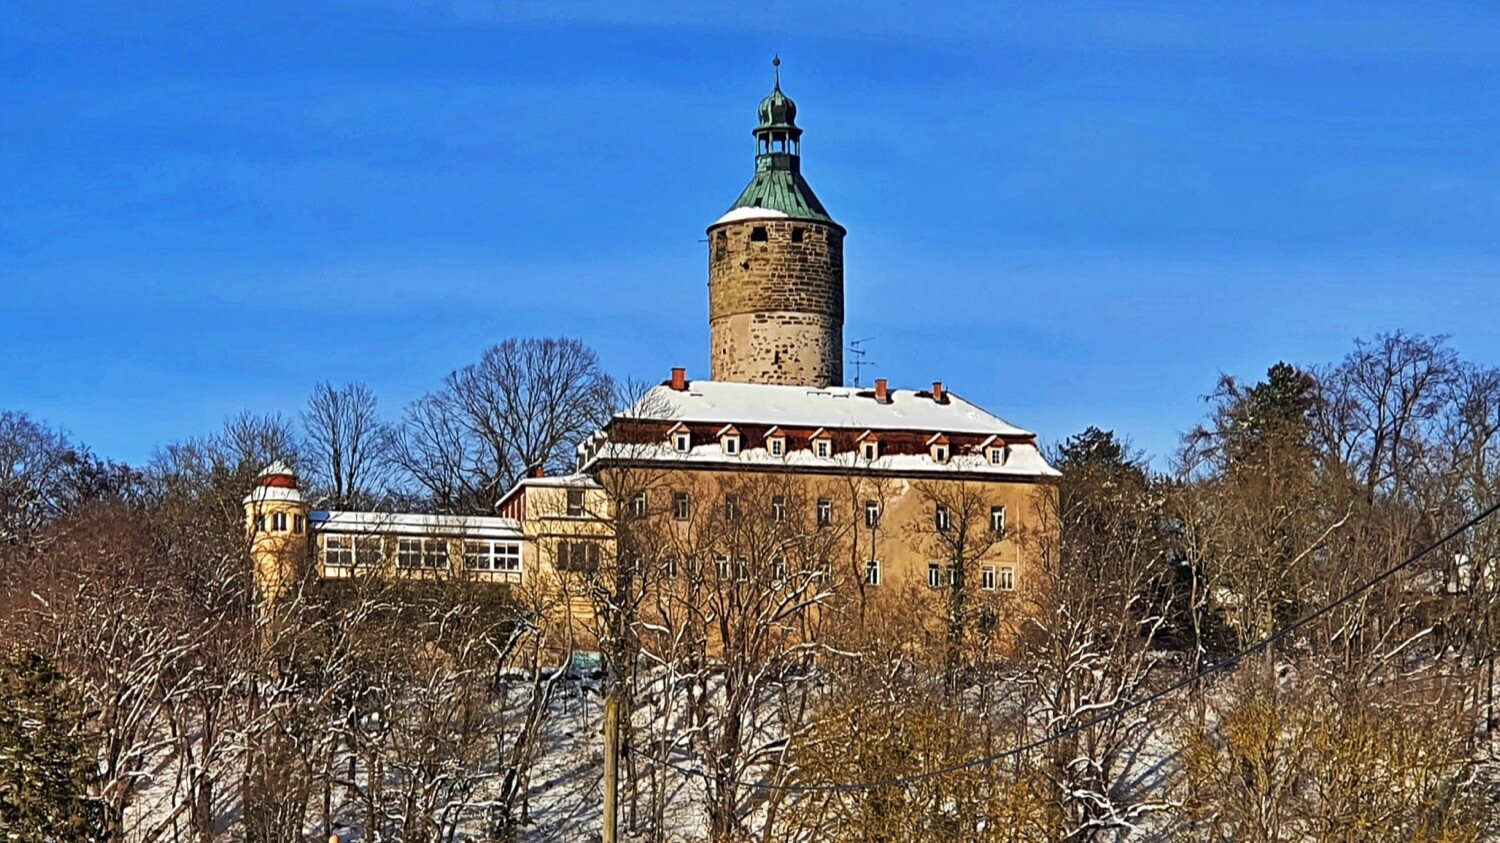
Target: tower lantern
776 268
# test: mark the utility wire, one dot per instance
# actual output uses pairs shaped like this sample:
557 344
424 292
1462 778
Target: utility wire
1216 667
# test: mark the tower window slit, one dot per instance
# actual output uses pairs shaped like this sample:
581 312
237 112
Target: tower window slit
758 234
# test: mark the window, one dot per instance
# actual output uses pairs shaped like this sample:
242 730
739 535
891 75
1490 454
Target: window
297 524
422 553
872 514
731 508
934 575
681 506
731 445
822 447
797 235
338 550
825 512
368 551
741 570
492 556
670 566
823 570
997 456
682 441
721 567
352 550
278 522
758 234
575 503
260 523
778 508
778 569
997 520
1007 578
638 505
869 450
578 557
776 445
872 572
942 518
940 453
987 578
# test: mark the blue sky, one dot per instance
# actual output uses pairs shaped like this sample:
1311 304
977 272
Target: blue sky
1072 213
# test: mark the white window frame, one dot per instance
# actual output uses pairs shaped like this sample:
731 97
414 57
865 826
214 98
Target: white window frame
638 505
278 522
576 503
940 453
776 445
682 506
872 572
731 508
872 514
682 442
492 555
731 445
824 512
778 569
422 554
342 556
870 450
778 509
987 578
934 575
721 567
942 518
997 520
822 447
997 456
1007 581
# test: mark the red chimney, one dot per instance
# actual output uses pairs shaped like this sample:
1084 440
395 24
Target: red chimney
882 391
539 470
679 378
937 392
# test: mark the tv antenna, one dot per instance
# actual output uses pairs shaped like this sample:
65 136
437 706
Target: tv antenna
857 354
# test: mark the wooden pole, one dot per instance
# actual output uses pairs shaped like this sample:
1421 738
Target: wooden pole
611 768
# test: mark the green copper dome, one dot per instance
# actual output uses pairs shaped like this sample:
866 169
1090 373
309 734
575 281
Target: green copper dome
778 186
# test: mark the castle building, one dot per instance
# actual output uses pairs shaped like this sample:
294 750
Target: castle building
882 489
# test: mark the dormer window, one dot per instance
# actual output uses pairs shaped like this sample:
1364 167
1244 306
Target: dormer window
775 442
869 447
681 438
997 455
729 440
938 447
822 443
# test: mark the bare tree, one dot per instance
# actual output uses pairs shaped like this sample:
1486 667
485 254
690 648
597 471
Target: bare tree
347 443
524 403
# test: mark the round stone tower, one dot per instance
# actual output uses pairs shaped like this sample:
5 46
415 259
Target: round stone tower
276 523
776 269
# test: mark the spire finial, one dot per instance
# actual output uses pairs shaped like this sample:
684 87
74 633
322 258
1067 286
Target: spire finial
776 65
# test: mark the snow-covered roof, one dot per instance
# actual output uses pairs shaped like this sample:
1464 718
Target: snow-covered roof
738 214
1023 461
277 469
723 402
261 494
416 524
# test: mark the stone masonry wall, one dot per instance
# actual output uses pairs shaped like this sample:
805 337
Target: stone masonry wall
776 307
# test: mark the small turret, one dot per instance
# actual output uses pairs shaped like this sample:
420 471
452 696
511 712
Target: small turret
276 525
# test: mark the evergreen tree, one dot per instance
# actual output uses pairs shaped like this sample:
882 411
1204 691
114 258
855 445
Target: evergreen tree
46 766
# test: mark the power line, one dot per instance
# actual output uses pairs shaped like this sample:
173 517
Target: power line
1076 728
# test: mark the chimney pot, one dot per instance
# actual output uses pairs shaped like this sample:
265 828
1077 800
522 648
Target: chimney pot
937 392
679 378
882 391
